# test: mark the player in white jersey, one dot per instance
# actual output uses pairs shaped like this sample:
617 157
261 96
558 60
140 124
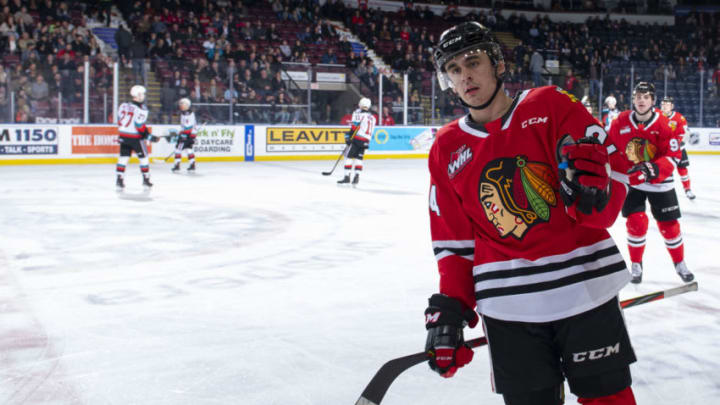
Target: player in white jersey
188 132
361 131
132 133
610 112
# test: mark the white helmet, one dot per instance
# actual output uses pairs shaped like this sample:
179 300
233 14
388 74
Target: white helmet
365 103
137 92
184 103
610 101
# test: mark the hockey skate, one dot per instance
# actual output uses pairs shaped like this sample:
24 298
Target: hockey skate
683 272
345 180
146 182
690 195
120 183
176 167
356 179
191 168
636 272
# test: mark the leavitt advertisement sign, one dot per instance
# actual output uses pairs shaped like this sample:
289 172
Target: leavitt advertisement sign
305 139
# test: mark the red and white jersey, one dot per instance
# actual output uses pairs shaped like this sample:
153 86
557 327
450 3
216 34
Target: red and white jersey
502 236
188 123
363 124
652 141
131 120
678 125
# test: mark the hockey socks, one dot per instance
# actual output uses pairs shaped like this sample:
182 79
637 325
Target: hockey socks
637 226
670 231
684 177
624 397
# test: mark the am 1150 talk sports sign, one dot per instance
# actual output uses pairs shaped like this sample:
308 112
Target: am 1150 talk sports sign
28 140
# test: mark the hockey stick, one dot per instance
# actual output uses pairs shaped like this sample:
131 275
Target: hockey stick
386 375
173 152
344 152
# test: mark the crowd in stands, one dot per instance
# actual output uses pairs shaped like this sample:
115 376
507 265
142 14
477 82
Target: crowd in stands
44 46
233 52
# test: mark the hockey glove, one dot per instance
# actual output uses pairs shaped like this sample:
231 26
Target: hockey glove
445 319
348 137
642 173
585 175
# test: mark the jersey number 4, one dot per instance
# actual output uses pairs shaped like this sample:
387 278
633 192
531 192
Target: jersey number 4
433 200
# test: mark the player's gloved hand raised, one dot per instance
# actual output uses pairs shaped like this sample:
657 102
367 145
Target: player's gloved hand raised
585 175
643 172
445 319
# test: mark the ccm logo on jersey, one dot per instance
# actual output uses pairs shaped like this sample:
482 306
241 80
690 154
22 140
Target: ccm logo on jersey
533 121
624 130
597 353
458 160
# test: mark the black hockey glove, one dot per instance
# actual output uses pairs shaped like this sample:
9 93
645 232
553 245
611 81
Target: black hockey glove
643 172
585 175
348 137
445 319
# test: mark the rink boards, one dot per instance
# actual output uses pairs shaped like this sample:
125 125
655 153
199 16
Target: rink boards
62 144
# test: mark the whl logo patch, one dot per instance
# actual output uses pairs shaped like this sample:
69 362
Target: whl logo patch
458 160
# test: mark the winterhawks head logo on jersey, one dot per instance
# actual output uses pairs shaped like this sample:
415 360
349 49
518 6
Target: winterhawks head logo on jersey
673 125
458 160
517 194
640 150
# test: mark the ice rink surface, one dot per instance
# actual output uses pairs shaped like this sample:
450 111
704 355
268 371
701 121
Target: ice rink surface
264 283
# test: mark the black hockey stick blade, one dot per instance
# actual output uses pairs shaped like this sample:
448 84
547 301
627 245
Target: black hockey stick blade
380 383
344 152
386 375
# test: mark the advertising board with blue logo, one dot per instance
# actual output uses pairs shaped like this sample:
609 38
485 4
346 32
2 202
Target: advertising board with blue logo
398 138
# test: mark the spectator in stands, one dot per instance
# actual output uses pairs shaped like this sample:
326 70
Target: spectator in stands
387 118
168 97
572 85
231 95
67 49
716 80
536 67
138 53
282 113
4 107
182 90
39 89
329 56
263 83
123 39
306 36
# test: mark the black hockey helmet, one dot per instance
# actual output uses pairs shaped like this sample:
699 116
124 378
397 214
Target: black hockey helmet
645 87
464 38
668 99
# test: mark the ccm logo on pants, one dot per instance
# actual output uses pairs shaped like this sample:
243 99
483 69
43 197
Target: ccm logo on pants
596 354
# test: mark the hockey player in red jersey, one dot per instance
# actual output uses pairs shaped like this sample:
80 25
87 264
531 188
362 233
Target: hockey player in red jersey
361 131
132 133
650 151
520 199
679 126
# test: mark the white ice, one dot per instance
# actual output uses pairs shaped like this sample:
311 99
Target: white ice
264 283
